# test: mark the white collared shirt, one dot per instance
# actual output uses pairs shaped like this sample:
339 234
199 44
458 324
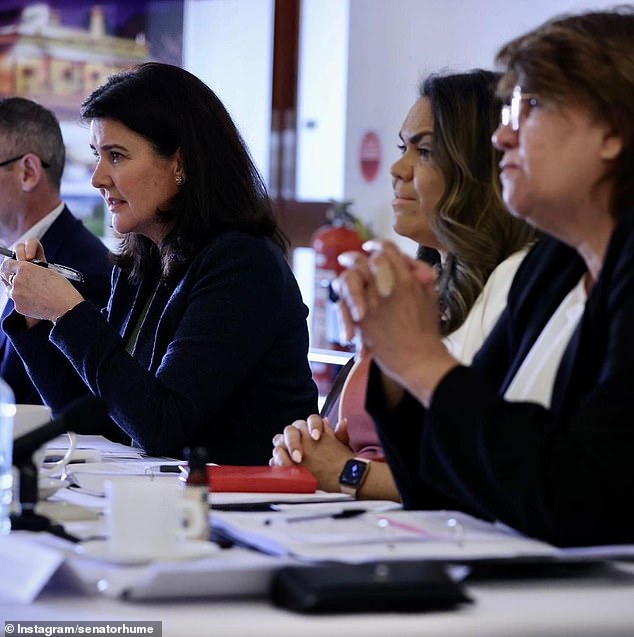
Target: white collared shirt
535 378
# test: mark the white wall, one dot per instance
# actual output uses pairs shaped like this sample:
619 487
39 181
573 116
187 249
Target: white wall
393 44
229 45
322 87
364 60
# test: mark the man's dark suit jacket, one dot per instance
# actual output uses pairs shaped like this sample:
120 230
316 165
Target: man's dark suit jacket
67 242
564 474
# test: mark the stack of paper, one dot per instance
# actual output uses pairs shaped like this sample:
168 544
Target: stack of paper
372 535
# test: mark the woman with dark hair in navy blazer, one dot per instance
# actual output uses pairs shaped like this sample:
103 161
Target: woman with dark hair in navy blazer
205 324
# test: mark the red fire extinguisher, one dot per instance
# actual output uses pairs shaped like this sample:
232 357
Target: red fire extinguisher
343 233
340 234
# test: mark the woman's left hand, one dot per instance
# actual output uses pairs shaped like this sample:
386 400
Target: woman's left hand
324 457
37 293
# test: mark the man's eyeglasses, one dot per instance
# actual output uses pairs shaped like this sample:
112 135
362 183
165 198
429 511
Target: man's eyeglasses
6 162
512 114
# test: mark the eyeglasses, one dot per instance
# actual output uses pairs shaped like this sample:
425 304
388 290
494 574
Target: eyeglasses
6 162
512 114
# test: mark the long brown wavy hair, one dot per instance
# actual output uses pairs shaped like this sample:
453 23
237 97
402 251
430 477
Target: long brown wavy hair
472 223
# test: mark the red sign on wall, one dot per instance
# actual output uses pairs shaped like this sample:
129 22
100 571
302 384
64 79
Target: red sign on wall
370 156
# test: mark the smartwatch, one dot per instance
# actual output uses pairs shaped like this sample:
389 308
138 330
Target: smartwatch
353 475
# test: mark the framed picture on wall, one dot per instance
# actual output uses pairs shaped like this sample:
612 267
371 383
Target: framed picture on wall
58 52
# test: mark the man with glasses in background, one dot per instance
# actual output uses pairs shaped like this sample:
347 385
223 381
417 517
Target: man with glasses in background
32 158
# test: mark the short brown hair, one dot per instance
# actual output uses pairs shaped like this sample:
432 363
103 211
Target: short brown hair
28 127
586 59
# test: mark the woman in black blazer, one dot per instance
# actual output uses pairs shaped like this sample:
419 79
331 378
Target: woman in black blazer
205 323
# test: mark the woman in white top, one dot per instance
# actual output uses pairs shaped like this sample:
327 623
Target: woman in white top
447 198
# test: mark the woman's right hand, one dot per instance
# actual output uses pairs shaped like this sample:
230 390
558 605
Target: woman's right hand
316 446
37 293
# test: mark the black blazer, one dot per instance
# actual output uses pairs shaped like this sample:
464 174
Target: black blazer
564 474
70 243
220 359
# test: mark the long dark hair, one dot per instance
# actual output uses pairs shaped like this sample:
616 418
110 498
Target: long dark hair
174 110
472 223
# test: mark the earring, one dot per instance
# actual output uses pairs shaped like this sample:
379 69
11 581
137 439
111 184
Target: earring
180 180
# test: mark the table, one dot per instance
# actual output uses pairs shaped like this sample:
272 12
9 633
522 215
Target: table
595 601
598 605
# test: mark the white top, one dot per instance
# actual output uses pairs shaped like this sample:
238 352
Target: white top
535 378
36 231
464 342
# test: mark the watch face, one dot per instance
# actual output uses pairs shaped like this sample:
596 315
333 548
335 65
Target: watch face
353 472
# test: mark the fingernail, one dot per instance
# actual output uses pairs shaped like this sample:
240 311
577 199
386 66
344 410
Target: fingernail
370 245
346 259
296 455
315 434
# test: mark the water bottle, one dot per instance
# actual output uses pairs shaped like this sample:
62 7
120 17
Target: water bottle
7 414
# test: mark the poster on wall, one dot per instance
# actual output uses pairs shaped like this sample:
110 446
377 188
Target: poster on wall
58 52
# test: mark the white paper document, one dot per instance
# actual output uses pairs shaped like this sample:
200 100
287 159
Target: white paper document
236 572
26 568
92 476
244 500
106 449
435 535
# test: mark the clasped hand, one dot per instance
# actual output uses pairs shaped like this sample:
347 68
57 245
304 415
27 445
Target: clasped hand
314 444
388 303
37 293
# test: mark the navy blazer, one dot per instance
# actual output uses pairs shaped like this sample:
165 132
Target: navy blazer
220 360
70 243
564 474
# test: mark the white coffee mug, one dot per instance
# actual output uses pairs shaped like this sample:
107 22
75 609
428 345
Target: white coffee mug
148 517
56 468
29 417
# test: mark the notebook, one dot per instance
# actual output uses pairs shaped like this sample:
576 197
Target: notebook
262 479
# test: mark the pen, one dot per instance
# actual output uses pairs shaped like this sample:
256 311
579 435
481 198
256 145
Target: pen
65 271
171 468
167 468
51 459
341 515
